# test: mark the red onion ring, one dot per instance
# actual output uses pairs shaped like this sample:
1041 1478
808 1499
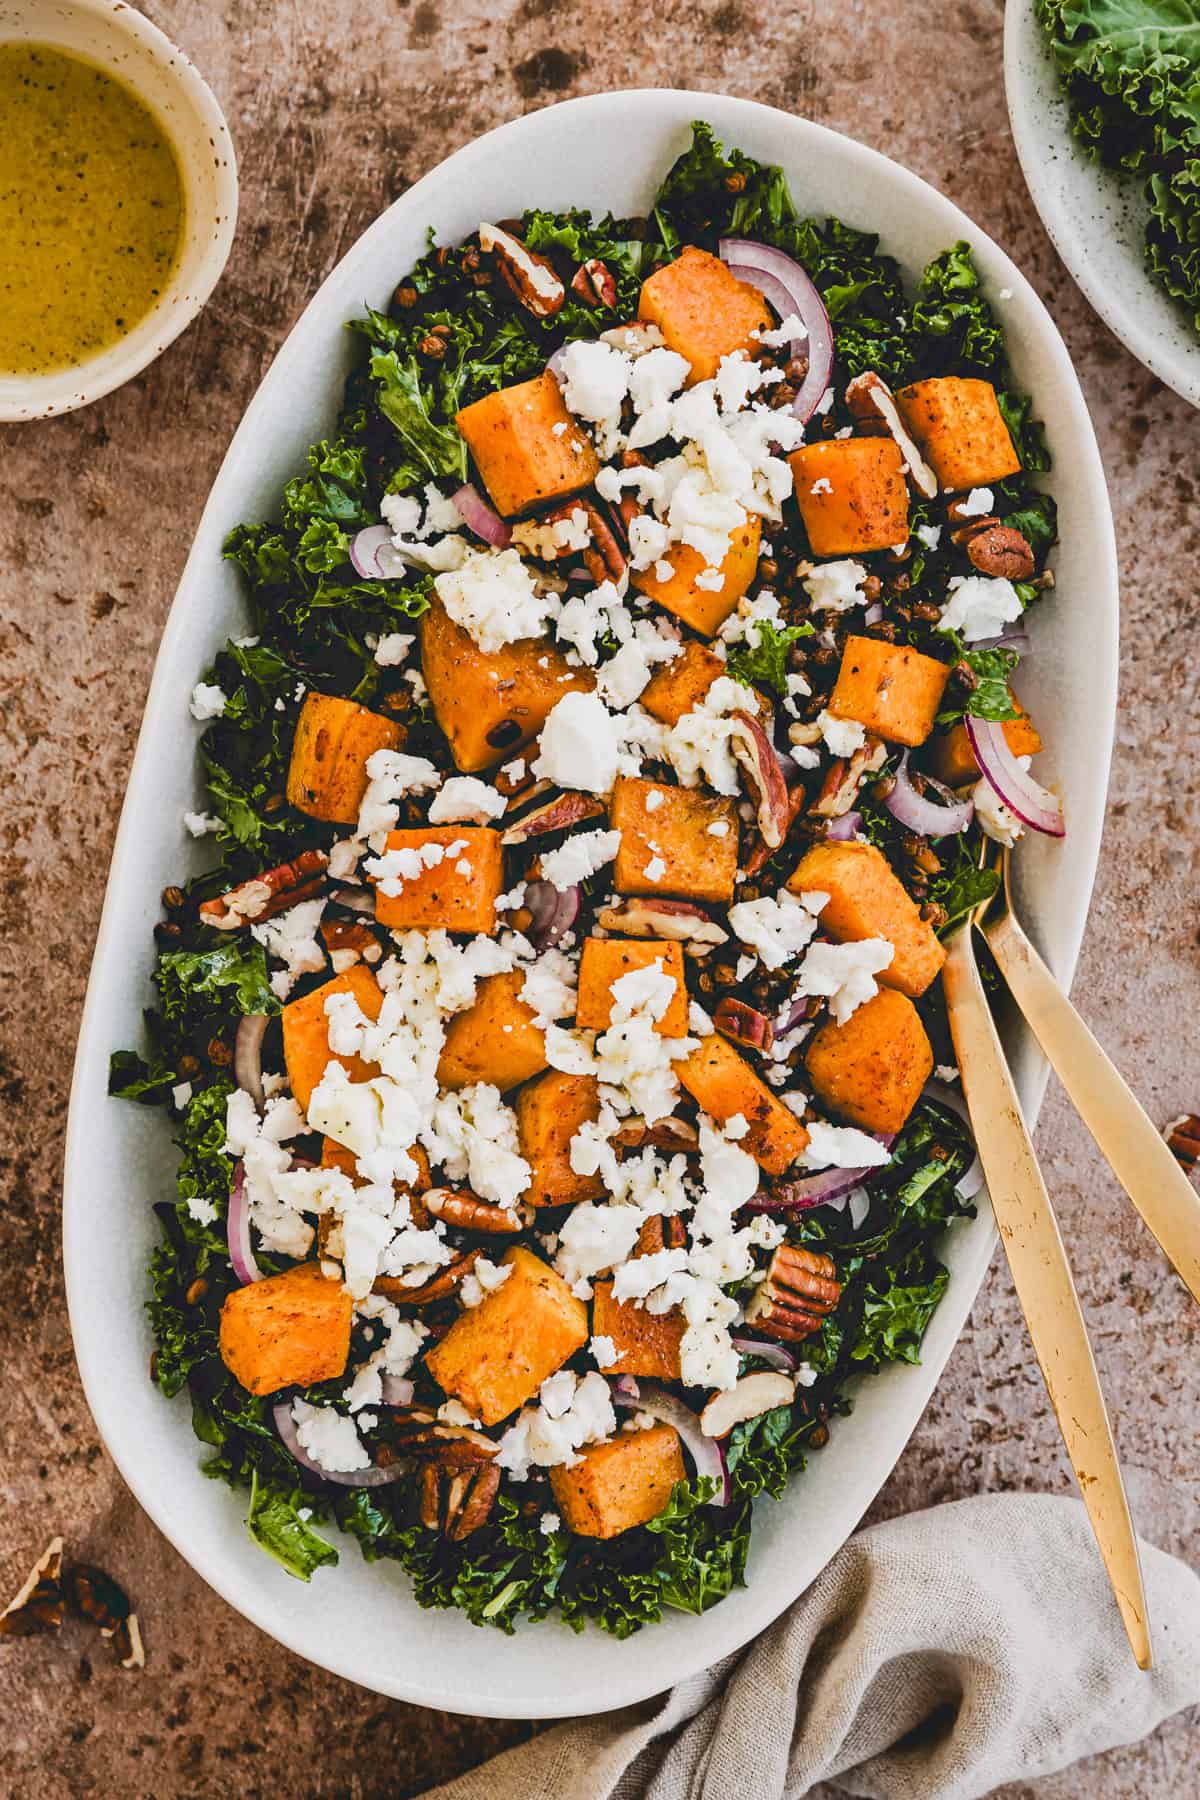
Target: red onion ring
784 283
481 517
705 1452
358 900
969 1183
373 1477
397 1390
237 1229
1015 638
842 829
873 613
1033 804
809 1191
247 1056
554 911
778 1355
364 551
626 1389
923 816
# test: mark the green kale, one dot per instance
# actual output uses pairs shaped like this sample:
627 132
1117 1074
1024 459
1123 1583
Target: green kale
951 315
990 698
1035 516
233 977
894 1319
764 663
147 1080
962 885
274 1523
1027 433
432 449
762 1453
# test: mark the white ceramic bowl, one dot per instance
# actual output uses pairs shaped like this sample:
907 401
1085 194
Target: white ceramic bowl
120 40
1095 217
360 1620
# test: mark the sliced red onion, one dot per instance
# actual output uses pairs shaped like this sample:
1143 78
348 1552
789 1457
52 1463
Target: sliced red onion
705 1452
285 1425
968 1184
808 1191
778 1355
1015 638
846 826
364 551
247 1056
554 911
237 1230
359 900
1033 804
481 517
873 613
626 1390
397 1390
555 364
859 1205
926 817
784 283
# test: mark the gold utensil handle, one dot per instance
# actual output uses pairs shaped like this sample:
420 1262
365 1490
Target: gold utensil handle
1133 1149
1042 1277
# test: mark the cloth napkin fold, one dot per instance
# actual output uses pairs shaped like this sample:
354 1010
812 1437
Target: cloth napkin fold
938 1656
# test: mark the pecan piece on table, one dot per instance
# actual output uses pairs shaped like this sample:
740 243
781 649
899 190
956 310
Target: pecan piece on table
457 1503
37 1606
460 1207
526 274
96 1596
797 1296
1183 1139
438 1287
263 896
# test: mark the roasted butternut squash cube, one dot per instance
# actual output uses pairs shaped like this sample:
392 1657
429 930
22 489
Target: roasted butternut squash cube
852 494
522 459
960 429
337 1156
306 1032
327 774
495 1040
687 840
954 760
496 1355
680 686
721 1081
491 706
685 592
890 688
867 900
621 1483
703 311
647 1343
288 1330
871 1069
458 893
549 1112
605 960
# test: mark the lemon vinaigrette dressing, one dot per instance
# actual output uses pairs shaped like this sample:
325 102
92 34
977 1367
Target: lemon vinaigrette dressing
91 209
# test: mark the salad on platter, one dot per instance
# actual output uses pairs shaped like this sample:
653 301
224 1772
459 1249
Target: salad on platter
555 1047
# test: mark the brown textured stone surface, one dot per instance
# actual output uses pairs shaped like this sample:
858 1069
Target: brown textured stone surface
336 106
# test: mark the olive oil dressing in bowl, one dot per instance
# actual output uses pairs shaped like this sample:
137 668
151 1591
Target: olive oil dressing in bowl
118 197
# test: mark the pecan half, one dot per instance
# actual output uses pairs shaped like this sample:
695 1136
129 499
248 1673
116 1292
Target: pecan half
677 920
422 1435
593 282
660 1232
797 1296
265 895
457 1504
526 274
554 815
460 1207
755 754
37 1606
872 403
637 337
436 1288
604 558
744 1025
348 941
1001 551
797 801
843 780
665 1134
1183 1139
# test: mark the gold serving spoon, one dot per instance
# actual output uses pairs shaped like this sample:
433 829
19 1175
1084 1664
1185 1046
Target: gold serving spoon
1042 1277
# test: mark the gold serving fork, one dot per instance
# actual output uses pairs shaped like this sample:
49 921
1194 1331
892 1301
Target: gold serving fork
1042 1276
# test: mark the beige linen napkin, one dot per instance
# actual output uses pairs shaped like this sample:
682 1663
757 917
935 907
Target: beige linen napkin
938 1656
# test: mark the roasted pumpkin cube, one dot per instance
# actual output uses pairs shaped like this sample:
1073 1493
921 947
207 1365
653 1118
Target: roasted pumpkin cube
306 1032
685 592
287 1330
890 688
549 1112
867 900
458 893
685 842
327 774
621 1483
681 685
703 311
961 431
522 459
954 760
852 495
871 1069
491 706
496 1355
495 1039
646 1343
605 960
337 1156
721 1081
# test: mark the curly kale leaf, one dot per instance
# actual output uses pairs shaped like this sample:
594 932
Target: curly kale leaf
764 663
231 978
275 1524
953 317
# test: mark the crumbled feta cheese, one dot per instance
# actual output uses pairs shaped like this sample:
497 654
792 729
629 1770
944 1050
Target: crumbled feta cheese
181 1094
842 1147
391 776
595 377
836 586
822 486
579 857
474 1135
484 1278
999 821
392 648
571 1411
201 824
777 929
580 745
844 973
291 938
980 606
208 701
979 501
946 1072
699 1023
605 1354
549 1523
329 1438
655 869
465 797
493 597
842 736
930 535
654 800
203 1211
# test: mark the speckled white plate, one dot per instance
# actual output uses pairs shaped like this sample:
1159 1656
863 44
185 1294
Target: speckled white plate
360 1620
1095 217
